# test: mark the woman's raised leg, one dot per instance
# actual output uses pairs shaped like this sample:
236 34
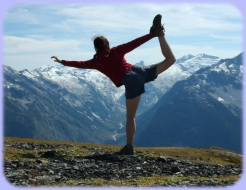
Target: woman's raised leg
167 53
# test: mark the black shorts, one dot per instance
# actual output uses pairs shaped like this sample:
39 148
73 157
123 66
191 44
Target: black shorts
135 79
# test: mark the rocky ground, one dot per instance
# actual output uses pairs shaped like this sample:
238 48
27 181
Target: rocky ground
71 165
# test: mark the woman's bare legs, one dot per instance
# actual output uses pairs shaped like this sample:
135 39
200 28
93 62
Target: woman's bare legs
132 104
131 109
167 53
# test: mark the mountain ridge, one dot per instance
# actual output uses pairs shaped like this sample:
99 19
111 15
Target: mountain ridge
67 103
193 110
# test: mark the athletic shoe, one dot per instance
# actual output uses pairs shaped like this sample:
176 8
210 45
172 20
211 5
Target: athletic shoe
126 151
156 28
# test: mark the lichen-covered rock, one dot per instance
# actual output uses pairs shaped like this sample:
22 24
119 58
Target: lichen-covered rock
50 167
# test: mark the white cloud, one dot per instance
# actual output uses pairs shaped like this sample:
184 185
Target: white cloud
30 53
199 19
223 52
184 16
21 45
180 19
234 38
99 18
67 29
20 14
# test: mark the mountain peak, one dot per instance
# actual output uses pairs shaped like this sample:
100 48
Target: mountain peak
184 58
8 69
203 55
189 56
45 68
141 63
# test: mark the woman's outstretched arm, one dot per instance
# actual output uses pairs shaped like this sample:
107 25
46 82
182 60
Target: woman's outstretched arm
77 64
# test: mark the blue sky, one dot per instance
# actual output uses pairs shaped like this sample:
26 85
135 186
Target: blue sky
35 32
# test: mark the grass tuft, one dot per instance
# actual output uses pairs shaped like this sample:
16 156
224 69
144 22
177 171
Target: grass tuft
212 155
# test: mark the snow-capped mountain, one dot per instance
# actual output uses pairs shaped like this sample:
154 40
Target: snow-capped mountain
224 83
71 79
65 103
183 68
203 110
42 104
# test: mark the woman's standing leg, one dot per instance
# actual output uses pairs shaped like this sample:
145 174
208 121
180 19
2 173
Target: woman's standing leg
131 109
167 53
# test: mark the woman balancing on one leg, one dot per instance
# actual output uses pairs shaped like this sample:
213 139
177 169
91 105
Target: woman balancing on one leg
111 62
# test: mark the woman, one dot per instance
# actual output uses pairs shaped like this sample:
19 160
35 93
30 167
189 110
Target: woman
112 63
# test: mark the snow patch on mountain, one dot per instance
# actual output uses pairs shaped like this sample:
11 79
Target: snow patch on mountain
75 80
241 69
182 69
221 67
220 99
28 74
